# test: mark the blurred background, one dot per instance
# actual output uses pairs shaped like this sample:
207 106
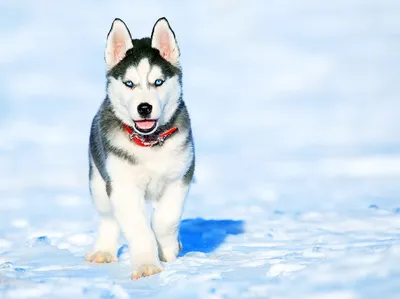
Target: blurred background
294 104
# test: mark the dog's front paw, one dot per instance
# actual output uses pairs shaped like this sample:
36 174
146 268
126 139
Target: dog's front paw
101 257
146 270
169 253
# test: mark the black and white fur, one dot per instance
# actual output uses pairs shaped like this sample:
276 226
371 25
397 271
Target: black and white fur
124 175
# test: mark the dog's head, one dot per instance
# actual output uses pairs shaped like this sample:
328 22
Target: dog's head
144 75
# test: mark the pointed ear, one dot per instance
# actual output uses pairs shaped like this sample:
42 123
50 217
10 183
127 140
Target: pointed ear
119 41
163 39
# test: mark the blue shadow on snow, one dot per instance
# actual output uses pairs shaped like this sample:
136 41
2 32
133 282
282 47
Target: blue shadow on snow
205 236
200 235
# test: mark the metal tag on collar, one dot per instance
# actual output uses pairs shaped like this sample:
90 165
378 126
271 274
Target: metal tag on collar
160 140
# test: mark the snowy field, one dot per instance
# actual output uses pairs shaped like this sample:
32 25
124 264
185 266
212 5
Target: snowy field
295 109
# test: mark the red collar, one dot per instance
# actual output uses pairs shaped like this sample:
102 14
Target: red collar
143 141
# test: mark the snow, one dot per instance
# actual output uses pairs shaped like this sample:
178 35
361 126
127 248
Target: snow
294 107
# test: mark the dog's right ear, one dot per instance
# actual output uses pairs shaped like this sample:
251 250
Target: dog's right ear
119 41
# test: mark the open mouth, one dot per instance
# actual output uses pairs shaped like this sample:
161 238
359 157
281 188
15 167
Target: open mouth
145 126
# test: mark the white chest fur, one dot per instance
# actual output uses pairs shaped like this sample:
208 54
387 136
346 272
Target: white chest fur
158 165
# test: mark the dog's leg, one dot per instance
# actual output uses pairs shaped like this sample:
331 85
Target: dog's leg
128 199
166 219
105 248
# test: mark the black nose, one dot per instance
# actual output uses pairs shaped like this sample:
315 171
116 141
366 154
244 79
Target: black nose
144 109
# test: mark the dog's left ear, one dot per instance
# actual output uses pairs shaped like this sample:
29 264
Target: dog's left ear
163 39
119 41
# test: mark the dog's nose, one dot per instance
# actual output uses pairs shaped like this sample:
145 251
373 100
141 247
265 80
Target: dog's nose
144 109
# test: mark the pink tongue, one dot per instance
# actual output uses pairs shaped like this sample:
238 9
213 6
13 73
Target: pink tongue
145 124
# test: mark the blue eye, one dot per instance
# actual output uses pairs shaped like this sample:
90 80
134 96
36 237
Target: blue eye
158 82
129 84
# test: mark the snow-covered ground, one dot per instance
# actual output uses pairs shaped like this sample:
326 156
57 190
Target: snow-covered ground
295 109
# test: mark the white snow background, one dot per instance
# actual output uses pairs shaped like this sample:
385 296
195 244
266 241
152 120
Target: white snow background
295 110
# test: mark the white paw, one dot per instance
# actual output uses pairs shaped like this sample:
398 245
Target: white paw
101 257
169 253
146 270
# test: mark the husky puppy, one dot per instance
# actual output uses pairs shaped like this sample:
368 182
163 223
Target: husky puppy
141 148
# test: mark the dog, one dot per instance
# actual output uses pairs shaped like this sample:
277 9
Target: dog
141 149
